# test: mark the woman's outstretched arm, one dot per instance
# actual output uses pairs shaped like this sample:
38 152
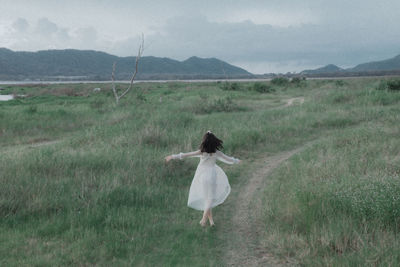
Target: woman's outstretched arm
224 158
183 155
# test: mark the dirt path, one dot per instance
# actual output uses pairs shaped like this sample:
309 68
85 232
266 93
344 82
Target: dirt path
45 143
247 223
22 147
291 101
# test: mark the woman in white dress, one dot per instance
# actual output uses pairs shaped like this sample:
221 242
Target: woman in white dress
210 186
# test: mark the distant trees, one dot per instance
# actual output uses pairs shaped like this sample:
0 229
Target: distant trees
139 55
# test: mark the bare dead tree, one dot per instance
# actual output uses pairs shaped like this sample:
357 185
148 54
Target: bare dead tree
139 55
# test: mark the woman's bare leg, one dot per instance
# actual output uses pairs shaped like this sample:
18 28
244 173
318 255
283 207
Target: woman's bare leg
210 218
204 219
207 214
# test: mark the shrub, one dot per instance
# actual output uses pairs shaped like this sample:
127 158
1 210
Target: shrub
31 109
342 98
141 97
262 88
223 104
280 81
295 80
204 96
167 92
298 81
217 105
339 83
230 86
393 85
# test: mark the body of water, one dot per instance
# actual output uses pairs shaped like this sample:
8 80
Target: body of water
6 97
139 81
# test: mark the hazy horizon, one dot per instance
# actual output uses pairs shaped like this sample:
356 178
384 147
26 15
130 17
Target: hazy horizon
260 37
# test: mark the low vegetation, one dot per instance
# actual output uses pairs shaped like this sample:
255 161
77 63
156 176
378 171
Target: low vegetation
230 86
263 87
83 181
280 81
392 85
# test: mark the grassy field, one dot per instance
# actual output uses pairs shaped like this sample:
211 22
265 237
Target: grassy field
83 181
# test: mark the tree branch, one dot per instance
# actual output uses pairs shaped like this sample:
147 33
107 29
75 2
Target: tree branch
113 82
139 55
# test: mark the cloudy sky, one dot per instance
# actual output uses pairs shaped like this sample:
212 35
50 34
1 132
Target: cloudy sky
261 36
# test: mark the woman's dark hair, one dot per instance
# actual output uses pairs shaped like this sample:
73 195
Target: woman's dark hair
210 143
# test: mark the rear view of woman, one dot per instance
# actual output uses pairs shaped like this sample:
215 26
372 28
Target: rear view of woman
210 186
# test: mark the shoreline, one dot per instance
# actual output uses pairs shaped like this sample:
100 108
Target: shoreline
184 81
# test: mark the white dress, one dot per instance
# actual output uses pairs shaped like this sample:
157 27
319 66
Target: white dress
210 186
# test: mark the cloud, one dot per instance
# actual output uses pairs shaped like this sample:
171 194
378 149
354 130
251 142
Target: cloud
128 46
273 46
262 36
86 36
182 37
20 25
45 27
46 34
257 47
263 16
63 35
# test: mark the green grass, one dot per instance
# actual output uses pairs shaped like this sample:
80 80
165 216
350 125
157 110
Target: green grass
337 203
102 194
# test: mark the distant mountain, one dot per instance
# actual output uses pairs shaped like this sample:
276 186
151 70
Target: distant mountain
94 65
326 69
384 67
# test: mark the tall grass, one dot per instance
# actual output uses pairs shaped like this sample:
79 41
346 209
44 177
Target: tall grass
338 204
102 195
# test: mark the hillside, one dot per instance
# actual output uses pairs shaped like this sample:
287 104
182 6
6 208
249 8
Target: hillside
383 65
389 66
94 65
326 69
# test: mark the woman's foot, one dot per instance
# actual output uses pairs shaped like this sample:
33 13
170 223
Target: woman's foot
203 222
